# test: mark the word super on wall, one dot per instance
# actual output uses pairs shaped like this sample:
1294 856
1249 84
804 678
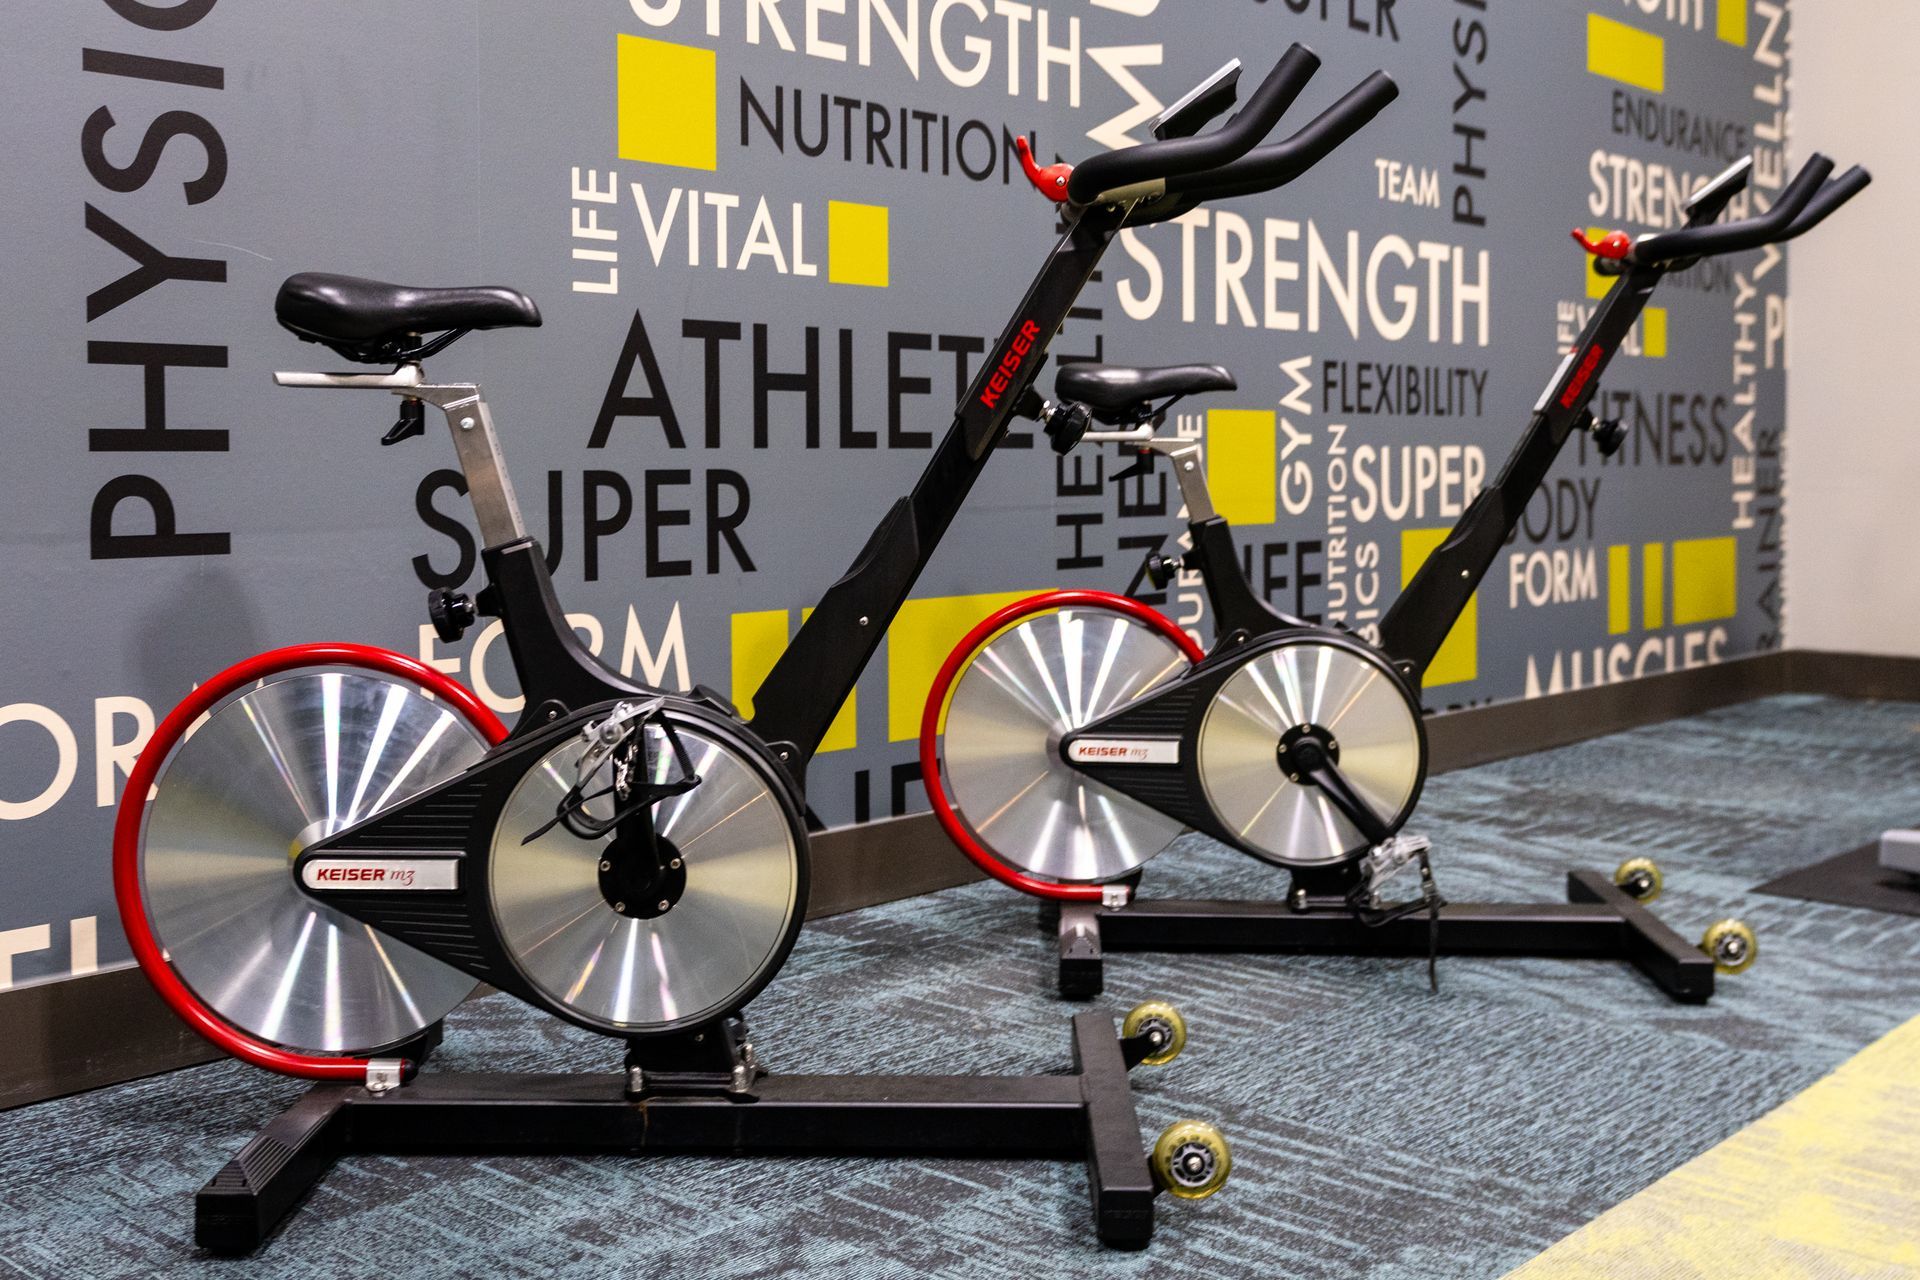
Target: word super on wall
772 241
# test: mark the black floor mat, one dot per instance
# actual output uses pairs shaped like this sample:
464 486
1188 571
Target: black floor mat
1853 879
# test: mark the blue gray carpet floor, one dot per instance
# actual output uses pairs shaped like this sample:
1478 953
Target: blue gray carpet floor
1378 1131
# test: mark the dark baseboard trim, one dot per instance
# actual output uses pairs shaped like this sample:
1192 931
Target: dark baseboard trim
108 1027
65 1037
883 861
1852 675
1479 735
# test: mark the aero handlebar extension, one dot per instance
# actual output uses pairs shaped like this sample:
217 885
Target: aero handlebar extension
1264 168
1112 172
1801 206
1827 199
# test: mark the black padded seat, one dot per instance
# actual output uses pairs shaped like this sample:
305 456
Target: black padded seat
346 311
1118 387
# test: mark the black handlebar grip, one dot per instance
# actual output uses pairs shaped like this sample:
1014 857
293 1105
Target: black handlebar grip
1750 233
1148 161
1265 168
1827 199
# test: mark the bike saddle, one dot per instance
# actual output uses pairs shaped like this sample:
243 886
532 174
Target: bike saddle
1118 392
379 323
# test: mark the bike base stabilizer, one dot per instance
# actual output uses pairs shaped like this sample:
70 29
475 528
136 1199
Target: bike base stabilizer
1599 921
1086 1114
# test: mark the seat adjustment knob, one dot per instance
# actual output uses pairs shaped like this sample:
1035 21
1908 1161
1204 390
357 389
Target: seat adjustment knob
452 612
1066 425
1161 570
1608 435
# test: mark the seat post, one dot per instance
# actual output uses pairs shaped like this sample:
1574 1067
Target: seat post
488 484
1183 453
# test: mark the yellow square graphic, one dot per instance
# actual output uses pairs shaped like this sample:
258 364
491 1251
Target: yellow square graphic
1459 656
1653 585
857 243
1619 589
1627 54
1241 448
919 641
1653 333
1706 583
1731 22
758 641
667 103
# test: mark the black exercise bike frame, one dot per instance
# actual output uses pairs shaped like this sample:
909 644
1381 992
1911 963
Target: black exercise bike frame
1087 1112
1600 919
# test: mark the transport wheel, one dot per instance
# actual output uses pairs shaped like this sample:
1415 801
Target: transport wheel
1047 670
652 968
282 755
1160 1021
1640 878
1731 945
1191 1160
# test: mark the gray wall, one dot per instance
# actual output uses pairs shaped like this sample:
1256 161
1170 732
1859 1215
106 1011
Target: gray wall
451 142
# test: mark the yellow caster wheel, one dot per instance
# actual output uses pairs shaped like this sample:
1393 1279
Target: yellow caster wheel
1640 877
1731 945
1162 1024
1191 1160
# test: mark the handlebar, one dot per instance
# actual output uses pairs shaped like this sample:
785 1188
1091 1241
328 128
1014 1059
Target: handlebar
1265 168
1112 173
1776 224
1827 199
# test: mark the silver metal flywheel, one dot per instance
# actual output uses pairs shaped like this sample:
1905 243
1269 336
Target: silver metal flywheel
717 943
270 772
1297 684
1023 691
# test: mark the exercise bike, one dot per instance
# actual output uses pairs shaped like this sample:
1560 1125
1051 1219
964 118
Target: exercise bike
341 843
1071 736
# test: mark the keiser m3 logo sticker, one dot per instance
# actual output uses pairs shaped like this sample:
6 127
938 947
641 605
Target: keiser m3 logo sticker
441 874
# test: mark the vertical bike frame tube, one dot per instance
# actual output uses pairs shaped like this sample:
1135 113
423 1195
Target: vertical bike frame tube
1238 614
1413 629
812 678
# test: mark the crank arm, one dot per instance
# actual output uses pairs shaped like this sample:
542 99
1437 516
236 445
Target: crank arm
1323 773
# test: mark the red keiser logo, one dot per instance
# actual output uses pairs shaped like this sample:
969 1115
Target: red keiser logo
1010 362
1578 382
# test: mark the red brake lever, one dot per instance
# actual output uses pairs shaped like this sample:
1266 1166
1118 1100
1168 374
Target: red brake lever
1614 244
1051 181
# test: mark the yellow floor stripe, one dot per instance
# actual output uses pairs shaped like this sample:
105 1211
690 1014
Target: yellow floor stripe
1827 1184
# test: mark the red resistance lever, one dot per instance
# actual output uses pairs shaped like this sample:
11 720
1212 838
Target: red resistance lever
1614 244
1051 181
